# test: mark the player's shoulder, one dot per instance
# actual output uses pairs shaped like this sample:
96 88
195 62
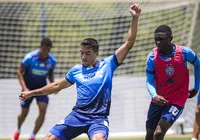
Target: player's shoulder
31 54
108 58
77 67
151 54
52 57
186 50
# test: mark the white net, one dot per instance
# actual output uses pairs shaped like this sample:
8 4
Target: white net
22 26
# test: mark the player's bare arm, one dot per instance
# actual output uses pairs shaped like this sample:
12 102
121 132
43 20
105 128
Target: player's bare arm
20 72
122 52
46 90
51 76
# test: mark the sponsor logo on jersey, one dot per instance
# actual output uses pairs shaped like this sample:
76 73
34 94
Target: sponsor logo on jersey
39 72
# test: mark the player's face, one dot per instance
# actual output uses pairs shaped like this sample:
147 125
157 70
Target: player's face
44 51
88 56
162 41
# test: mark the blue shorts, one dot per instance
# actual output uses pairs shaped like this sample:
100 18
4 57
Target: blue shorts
76 124
26 103
198 100
169 112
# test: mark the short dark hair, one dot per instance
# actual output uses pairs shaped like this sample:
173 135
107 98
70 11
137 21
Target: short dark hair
91 42
46 42
164 28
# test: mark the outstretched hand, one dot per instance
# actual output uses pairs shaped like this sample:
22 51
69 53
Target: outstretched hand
25 95
135 10
192 93
160 100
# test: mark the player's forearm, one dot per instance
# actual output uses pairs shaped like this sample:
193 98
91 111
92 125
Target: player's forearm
132 32
51 77
46 90
21 80
151 87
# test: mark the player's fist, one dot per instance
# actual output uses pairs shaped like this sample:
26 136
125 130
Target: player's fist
160 100
135 10
192 93
25 95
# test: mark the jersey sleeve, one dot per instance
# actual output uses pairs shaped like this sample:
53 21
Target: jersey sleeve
70 76
26 60
194 60
150 63
151 87
112 60
54 61
190 56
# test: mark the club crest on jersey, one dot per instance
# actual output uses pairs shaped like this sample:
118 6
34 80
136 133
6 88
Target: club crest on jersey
169 70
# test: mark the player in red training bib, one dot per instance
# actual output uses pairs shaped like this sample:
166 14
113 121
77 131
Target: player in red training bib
168 82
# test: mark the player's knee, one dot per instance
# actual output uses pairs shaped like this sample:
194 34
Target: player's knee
98 136
159 132
49 136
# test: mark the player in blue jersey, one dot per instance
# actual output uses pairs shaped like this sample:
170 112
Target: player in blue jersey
36 67
93 79
167 82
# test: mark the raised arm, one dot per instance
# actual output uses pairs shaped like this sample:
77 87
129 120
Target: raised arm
46 90
123 50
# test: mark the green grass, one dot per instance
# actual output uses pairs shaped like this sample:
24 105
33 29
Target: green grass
181 137
167 138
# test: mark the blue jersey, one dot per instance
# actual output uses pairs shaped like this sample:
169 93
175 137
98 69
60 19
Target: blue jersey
94 86
37 70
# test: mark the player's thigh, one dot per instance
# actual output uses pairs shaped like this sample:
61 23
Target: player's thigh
153 117
163 126
98 131
42 102
50 136
65 132
26 103
171 113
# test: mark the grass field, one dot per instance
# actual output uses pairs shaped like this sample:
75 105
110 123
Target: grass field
170 137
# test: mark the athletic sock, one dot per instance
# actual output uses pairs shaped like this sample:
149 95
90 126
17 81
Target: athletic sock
194 139
32 136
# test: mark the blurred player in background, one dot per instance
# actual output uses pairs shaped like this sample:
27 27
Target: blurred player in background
35 67
93 80
168 82
196 126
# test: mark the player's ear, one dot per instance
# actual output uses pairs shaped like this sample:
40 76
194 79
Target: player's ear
171 38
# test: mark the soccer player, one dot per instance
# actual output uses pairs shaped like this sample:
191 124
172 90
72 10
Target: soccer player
196 126
167 82
93 80
35 67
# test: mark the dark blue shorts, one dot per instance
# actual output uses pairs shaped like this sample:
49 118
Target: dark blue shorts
198 100
26 103
76 124
169 112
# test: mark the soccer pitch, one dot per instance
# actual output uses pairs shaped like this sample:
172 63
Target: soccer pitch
181 137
